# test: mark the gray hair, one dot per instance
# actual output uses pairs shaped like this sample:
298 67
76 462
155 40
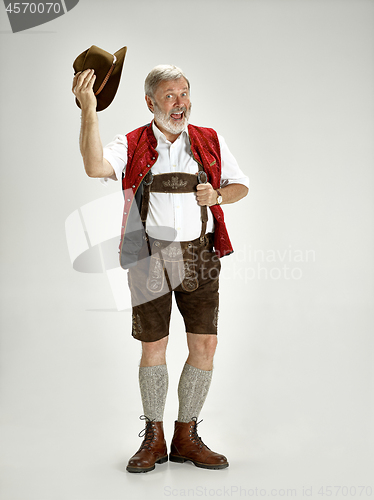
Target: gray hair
163 72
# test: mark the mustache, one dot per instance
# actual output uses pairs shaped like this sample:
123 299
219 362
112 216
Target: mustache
183 109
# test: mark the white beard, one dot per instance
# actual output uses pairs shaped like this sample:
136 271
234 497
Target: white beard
166 122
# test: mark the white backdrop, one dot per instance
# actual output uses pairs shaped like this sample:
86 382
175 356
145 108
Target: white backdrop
289 84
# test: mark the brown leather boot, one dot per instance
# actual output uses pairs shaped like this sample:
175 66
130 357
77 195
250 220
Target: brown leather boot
187 445
152 450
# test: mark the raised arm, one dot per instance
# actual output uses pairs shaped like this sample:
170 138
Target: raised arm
90 143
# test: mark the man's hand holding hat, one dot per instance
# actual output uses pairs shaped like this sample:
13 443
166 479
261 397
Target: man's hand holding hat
83 89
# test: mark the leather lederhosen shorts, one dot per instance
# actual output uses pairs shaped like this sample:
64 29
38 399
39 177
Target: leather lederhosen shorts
190 270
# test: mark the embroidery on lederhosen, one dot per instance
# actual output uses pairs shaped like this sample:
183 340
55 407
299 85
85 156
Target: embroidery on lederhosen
172 252
176 262
156 275
215 319
174 183
187 274
136 325
187 271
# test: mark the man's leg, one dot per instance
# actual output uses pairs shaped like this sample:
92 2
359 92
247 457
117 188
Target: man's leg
153 381
192 391
153 378
150 324
196 375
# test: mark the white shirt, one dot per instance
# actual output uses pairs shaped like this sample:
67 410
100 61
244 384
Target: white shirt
178 211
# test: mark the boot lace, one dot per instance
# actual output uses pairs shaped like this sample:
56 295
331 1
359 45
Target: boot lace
195 438
148 433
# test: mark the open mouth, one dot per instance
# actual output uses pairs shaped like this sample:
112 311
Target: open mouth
177 116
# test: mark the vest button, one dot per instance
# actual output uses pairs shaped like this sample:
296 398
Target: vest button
124 213
140 175
148 166
133 187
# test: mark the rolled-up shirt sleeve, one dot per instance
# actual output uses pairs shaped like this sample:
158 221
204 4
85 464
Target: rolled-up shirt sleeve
116 154
230 170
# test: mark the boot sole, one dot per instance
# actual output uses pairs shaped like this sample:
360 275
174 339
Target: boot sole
147 469
181 460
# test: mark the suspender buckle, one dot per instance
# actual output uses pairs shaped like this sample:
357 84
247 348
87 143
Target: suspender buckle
148 179
202 177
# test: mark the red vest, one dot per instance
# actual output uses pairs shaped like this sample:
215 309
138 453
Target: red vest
141 156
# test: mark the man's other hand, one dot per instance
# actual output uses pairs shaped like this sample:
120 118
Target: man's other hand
206 195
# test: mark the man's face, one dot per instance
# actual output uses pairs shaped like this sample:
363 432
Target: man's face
171 106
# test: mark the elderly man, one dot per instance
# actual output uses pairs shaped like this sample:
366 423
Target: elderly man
171 172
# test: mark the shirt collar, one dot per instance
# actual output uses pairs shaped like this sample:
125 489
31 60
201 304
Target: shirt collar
159 135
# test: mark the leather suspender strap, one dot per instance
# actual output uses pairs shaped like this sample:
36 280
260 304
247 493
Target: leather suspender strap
145 200
178 182
202 179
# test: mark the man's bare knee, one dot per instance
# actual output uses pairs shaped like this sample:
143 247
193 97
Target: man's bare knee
201 347
154 353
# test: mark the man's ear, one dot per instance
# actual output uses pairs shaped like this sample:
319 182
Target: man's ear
149 102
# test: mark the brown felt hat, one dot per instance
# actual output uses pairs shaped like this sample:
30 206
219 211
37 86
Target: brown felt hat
108 69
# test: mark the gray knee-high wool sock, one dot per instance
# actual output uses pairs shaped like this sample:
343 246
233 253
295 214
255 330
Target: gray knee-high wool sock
153 382
192 391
